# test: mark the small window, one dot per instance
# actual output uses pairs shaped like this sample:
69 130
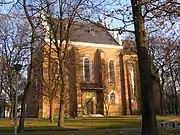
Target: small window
87 69
112 98
90 30
111 71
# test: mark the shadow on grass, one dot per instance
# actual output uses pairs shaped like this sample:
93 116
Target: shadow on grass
73 124
79 123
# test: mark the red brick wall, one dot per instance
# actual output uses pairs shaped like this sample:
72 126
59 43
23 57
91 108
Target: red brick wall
100 58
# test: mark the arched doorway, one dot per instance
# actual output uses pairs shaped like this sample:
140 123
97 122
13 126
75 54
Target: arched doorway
89 105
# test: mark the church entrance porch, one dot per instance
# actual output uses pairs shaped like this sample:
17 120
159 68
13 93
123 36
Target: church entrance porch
89 103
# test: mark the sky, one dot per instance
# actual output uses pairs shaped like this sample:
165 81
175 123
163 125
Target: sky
5 8
110 6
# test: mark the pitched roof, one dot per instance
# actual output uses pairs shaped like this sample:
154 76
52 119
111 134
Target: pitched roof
87 32
93 34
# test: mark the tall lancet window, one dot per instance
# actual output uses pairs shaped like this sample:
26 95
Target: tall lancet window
132 78
87 69
111 71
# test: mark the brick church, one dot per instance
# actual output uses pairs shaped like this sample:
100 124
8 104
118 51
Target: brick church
103 77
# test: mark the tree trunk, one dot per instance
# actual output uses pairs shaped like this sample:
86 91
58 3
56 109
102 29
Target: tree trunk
161 104
173 105
106 104
122 80
11 114
26 90
50 85
23 109
107 114
167 102
12 99
175 98
169 106
50 111
61 115
149 124
62 103
161 93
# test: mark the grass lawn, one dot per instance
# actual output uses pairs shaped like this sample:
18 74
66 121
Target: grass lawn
87 126
96 132
79 123
78 132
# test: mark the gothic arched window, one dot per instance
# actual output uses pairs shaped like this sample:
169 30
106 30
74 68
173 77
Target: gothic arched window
87 69
111 71
131 76
112 98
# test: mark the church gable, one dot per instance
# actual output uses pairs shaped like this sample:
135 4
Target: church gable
93 34
83 32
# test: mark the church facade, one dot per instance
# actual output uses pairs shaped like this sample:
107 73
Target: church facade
102 78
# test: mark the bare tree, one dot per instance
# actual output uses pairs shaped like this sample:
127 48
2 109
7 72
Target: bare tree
164 53
51 83
12 40
137 13
34 42
60 16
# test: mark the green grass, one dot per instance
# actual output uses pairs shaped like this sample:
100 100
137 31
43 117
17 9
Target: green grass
87 126
97 132
169 118
79 132
101 122
124 121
